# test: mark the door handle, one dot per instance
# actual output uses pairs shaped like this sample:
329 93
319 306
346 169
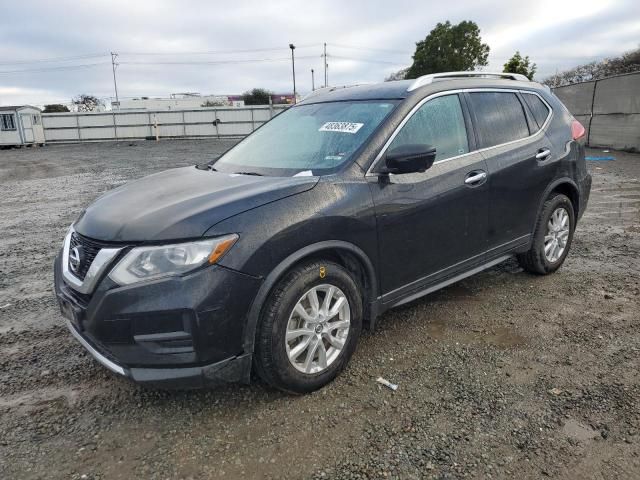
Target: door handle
475 177
543 153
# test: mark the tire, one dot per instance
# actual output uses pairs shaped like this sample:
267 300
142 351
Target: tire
278 319
542 262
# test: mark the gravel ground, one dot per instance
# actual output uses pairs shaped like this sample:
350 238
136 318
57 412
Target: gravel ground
502 374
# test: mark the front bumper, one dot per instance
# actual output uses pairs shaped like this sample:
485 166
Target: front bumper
232 370
179 332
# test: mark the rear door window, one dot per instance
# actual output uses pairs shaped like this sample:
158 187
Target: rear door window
438 123
538 109
500 117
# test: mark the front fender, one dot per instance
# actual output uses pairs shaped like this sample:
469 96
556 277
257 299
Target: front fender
333 216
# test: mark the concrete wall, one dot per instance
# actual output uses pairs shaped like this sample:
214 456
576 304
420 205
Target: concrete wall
130 125
608 108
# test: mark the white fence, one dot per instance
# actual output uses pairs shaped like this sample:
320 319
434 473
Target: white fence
140 124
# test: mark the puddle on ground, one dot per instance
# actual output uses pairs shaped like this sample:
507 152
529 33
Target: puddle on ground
42 397
579 431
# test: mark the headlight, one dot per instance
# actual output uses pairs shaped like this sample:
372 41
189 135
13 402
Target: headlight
148 263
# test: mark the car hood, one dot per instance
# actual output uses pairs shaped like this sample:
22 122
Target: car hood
180 203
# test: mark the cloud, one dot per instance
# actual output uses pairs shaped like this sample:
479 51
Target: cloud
554 34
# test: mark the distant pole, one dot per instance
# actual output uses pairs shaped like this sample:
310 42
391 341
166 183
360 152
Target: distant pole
115 84
313 82
324 56
155 127
293 67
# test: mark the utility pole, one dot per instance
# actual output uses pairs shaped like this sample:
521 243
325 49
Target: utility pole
293 67
324 56
313 82
115 84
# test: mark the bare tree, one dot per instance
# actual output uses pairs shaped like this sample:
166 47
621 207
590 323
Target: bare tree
627 63
399 75
87 103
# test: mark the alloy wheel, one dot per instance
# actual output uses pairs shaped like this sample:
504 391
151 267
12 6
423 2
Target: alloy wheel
558 229
318 328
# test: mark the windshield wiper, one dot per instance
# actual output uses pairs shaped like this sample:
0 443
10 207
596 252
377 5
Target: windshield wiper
249 173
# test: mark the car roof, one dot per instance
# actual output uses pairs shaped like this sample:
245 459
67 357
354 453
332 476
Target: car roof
369 91
400 89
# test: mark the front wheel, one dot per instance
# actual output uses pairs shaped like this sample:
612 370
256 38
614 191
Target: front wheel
552 236
309 328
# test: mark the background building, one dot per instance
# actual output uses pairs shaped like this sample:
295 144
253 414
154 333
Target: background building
176 101
20 125
191 100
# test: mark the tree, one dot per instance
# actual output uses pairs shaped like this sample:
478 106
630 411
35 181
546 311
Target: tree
520 64
626 63
55 108
87 103
214 103
449 48
257 96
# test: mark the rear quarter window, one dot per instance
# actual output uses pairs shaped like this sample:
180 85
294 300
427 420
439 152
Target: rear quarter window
500 117
538 109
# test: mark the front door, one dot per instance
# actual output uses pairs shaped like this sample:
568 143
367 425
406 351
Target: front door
27 127
432 224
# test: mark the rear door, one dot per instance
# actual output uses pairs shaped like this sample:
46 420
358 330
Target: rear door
519 159
432 224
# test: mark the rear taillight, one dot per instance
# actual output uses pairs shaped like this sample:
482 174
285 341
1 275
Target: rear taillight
577 130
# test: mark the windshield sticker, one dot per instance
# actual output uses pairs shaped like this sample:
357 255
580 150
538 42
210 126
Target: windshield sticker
334 157
342 127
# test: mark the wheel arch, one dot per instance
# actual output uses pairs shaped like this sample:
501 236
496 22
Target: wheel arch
348 255
565 186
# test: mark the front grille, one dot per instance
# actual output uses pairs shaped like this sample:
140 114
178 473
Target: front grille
90 249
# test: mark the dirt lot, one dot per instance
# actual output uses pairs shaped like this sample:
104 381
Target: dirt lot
500 375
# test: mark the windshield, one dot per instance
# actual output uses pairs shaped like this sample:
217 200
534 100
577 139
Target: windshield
314 139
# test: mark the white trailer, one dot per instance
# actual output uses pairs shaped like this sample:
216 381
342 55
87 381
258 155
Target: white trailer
21 125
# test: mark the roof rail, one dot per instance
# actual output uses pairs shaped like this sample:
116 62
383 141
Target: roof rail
320 90
427 79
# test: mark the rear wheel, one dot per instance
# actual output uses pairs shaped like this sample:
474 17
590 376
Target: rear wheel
309 327
552 236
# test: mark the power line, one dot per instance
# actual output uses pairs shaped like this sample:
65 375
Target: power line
168 54
368 60
50 69
55 59
218 62
217 52
354 47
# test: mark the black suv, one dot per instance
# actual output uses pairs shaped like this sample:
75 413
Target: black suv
274 256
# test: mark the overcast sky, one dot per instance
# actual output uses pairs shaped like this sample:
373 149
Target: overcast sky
556 34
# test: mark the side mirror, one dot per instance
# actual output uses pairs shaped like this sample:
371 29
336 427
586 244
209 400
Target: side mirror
409 159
